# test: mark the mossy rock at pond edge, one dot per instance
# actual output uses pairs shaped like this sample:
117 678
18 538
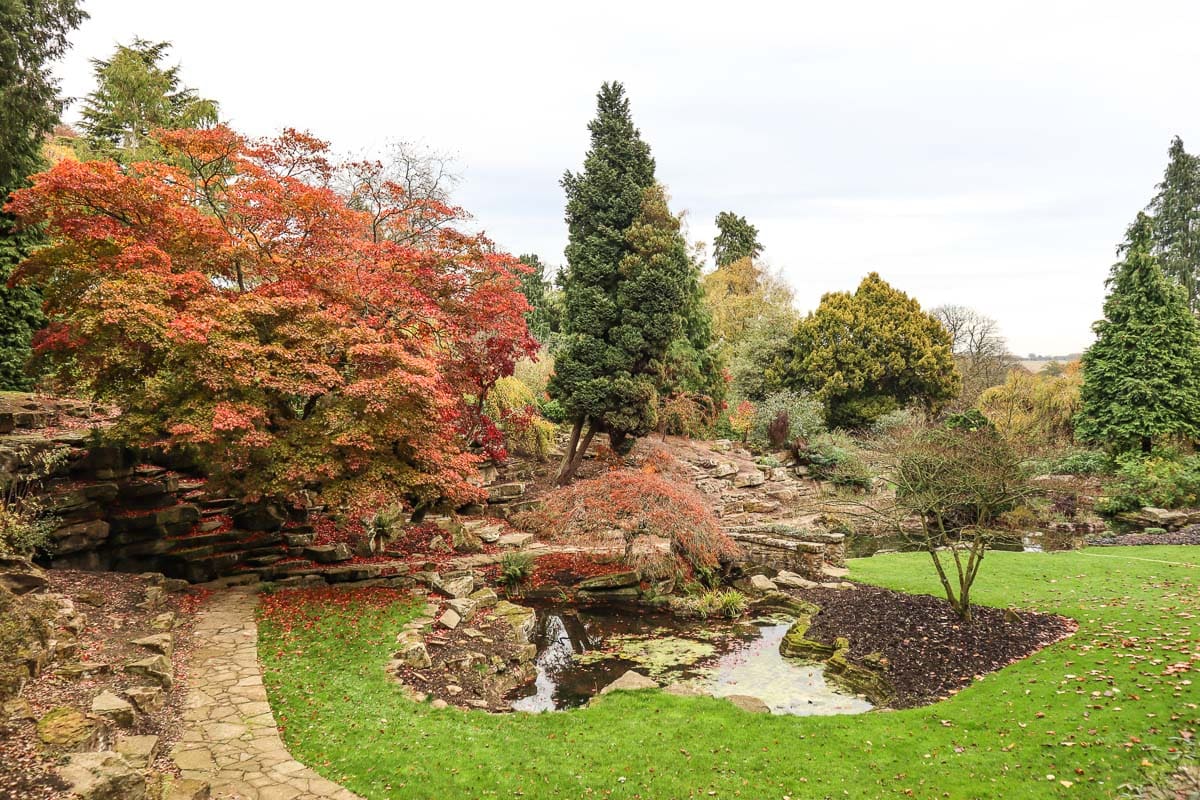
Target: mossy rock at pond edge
863 680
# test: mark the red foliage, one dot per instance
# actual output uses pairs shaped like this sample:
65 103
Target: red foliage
665 526
330 532
233 302
303 608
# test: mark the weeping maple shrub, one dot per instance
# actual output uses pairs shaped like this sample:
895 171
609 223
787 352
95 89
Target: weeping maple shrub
666 529
231 302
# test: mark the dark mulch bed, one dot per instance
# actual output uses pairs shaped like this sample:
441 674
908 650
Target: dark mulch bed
109 600
1189 535
930 653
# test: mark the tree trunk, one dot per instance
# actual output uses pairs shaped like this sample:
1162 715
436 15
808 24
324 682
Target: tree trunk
569 475
564 466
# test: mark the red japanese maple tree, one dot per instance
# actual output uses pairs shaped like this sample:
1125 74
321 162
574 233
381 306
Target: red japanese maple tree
664 526
232 302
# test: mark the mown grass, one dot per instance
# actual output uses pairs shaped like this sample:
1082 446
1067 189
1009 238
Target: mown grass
1079 719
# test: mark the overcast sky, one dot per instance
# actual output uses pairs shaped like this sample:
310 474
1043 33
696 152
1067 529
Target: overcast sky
989 155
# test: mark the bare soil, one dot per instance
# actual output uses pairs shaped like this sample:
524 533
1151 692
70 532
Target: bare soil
109 600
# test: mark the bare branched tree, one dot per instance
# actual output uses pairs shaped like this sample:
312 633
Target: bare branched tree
947 489
407 192
980 352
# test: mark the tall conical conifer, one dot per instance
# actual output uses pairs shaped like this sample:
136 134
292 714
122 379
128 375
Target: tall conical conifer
1141 378
627 286
1176 221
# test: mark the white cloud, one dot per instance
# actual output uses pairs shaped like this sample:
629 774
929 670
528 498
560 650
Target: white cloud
989 155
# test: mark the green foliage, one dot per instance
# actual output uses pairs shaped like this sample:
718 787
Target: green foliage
894 421
752 316
516 568
20 308
553 411
384 525
514 408
606 364
545 317
1162 481
33 36
869 353
1141 377
694 365
972 420
1082 462
958 482
1036 411
724 603
754 359
736 239
1175 222
25 521
835 457
134 95
785 418
684 415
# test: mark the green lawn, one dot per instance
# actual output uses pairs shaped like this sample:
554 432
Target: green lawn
1078 719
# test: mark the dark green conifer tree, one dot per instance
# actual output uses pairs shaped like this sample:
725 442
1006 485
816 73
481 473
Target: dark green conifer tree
736 239
1176 217
625 286
1141 377
33 34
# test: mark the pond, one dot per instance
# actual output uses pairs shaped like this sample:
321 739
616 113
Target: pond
582 650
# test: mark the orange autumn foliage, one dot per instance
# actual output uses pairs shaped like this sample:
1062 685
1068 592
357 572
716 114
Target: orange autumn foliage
665 528
234 304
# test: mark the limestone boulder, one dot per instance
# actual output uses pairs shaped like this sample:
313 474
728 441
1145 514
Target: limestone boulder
464 607
189 789
67 729
747 703
139 751
109 706
517 541
1151 517
747 480
20 575
259 517
454 585
725 469
485 598
760 583
629 682
505 492
464 540
616 580
328 553
412 651
102 776
450 619
162 643
155 668
146 699
520 618
791 580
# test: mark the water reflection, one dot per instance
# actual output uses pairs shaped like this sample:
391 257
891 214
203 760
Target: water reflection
580 651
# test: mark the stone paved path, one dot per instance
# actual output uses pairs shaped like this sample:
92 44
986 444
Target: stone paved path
230 738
